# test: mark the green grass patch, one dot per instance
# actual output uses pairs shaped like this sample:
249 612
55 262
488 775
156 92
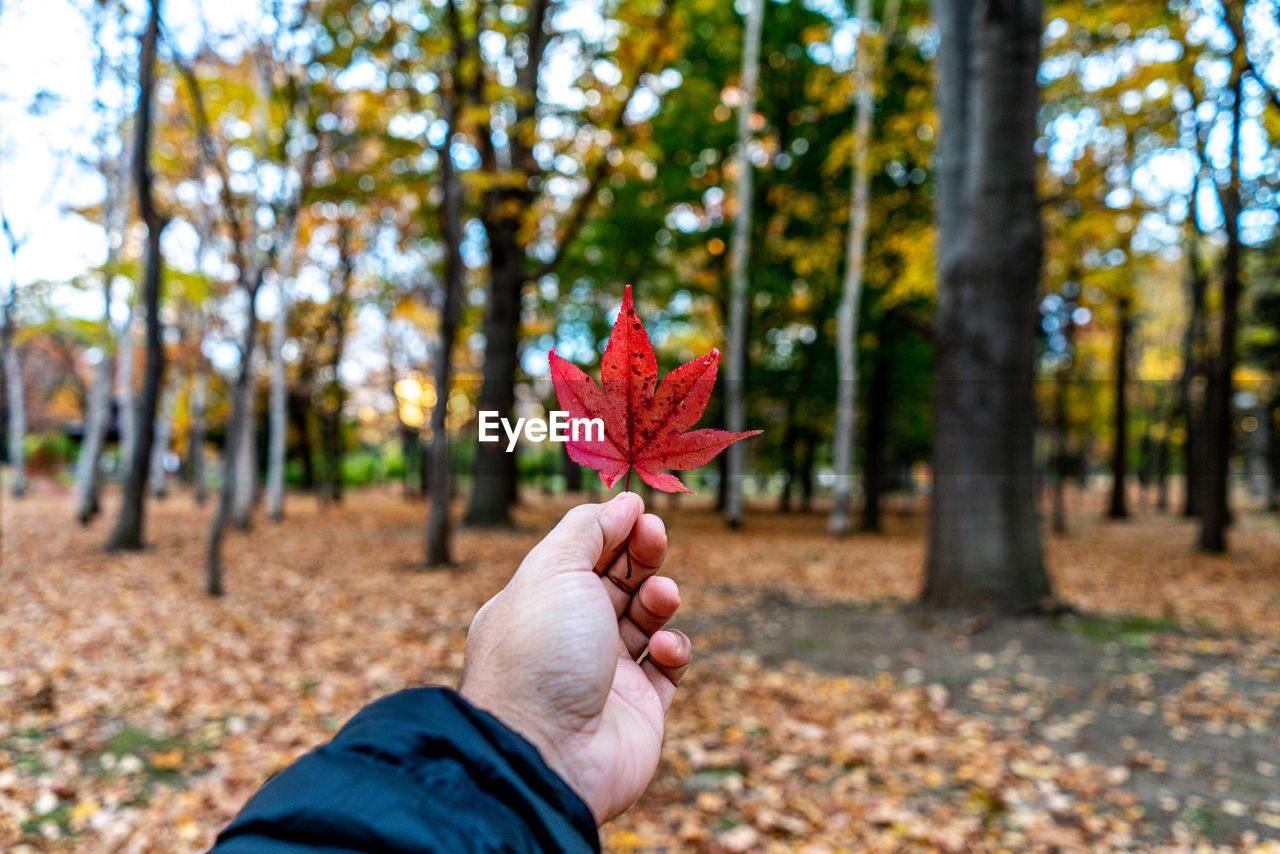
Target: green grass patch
1131 630
60 816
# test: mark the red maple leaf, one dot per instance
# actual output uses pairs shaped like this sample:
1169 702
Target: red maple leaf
644 421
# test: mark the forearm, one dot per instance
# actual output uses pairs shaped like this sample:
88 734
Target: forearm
418 770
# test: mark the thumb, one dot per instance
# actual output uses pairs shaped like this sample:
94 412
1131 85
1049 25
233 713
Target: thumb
586 538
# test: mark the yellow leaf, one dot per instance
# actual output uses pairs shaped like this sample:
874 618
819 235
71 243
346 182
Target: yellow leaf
626 840
83 810
169 760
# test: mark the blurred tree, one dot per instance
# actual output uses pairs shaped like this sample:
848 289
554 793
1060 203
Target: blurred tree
868 65
127 533
984 544
528 207
259 218
739 257
113 217
1219 416
11 364
1260 347
439 491
332 394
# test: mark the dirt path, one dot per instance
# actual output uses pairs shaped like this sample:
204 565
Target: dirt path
1188 723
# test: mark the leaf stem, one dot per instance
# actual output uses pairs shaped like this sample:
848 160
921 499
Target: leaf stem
626 487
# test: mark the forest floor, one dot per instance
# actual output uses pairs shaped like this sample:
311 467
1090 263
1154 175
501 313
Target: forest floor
822 712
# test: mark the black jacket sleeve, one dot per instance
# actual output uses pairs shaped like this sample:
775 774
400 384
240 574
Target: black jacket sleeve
420 771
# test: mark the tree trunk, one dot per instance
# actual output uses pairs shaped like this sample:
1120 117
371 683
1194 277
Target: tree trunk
89 463
439 539
790 438
15 396
1193 345
115 216
984 544
1162 473
1215 507
409 453
299 416
334 393
245 453
806 470
125 398
739 273
844 439
877 430
11 368
1119 507
129 524
1272 426
424 471
277 447
572 473
331 449
241 401
197 404
164 431
493 484
1060 433
408 435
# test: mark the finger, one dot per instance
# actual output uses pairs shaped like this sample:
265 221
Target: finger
584 534
648 611
669 654
647 544
654 603
633 640
648 549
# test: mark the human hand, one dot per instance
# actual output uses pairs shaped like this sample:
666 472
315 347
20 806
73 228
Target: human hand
553 654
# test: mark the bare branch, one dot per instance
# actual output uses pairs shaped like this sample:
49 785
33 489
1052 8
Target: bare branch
600 169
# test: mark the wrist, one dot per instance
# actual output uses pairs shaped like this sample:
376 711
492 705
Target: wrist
547 744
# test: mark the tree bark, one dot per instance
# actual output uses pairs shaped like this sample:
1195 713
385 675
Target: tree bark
1162 473
984 548
572 473
877 431
806 470
125 393
129 524
245 453
493 483
277 447
334 394
15 419
236 422
505 203
300 417
115 215
1189 405
1193 350
1119 506
844 439
159 478
89 463
1272 426
790 438
439 528
197 404
1215 507
1060 434
739 273
15 397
